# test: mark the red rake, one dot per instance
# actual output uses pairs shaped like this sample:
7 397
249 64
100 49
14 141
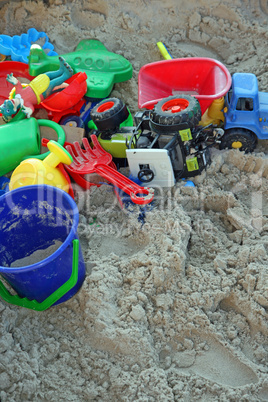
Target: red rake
97 160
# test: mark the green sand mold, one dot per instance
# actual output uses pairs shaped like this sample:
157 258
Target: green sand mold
103 68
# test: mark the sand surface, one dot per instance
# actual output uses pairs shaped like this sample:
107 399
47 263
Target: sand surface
36 256
175 310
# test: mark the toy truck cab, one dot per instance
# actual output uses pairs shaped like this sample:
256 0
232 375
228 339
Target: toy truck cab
246 113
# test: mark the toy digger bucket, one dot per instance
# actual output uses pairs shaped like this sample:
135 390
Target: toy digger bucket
21 139
32 219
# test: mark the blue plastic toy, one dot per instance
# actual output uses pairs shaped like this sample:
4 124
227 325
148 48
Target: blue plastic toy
18 47
4 181
189 183
52 217
245 114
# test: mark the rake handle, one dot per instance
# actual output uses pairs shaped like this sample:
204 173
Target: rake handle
139 195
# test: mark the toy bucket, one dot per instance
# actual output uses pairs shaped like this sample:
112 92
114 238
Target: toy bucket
35 219
21 139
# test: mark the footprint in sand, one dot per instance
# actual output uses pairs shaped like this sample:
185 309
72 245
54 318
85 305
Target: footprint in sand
216 364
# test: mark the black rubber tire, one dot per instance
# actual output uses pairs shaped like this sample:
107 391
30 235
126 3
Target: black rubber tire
247 139
190 115
109 113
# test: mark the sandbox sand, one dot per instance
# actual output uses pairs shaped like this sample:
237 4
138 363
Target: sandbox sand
175 310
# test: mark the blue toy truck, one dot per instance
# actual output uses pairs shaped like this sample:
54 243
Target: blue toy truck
245 114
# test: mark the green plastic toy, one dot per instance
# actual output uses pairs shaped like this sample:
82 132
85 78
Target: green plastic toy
103 68
54 297
116 144
21 140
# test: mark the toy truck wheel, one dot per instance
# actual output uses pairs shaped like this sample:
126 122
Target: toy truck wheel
176 110
145 175
109 114
72 121
241 139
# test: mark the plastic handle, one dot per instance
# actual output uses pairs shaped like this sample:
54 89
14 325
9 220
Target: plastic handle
139 195
163 50
54 297
60 133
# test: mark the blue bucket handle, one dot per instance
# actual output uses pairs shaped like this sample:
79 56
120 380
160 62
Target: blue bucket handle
54 297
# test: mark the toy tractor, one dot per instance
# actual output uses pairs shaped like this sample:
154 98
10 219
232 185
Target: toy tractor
165 145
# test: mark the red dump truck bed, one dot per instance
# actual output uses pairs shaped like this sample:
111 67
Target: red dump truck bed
206 79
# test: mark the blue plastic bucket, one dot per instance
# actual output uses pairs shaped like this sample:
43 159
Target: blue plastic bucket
32 219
